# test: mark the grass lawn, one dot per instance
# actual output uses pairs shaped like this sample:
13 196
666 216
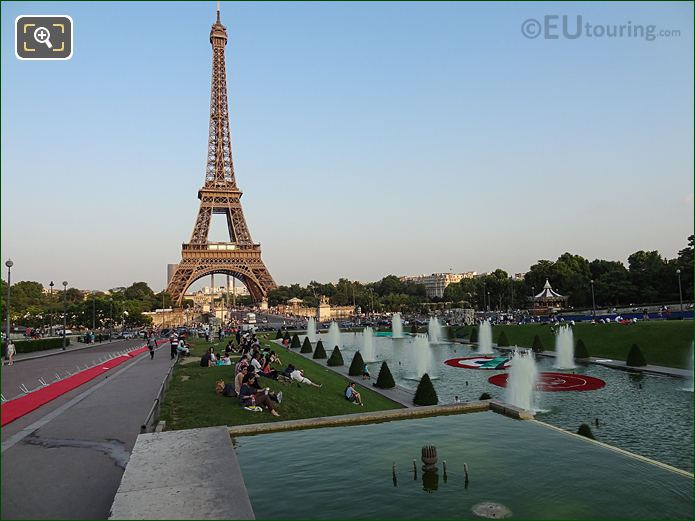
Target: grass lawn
191 401
667 342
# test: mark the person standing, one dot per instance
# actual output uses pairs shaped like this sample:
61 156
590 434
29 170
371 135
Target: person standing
10 351
151 344
174 343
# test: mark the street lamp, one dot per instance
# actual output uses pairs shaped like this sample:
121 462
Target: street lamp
488 301
593 300
484 293
65 311
533 298
50 311
110 318
680 292
9 265
94 311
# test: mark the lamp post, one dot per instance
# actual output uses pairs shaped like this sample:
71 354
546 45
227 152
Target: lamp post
593 300
9 265
488 301
484 301
680 291
65 311
50 311
94 311
110 319
533 297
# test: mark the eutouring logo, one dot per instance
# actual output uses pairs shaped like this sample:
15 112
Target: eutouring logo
572 27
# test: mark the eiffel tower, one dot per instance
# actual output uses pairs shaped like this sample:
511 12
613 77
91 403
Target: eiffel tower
239 257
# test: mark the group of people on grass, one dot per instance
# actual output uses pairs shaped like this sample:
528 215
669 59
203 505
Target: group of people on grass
256 363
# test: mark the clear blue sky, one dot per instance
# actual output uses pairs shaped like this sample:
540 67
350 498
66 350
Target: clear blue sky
368 138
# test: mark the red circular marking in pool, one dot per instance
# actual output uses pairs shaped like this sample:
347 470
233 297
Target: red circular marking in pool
556 382
474 362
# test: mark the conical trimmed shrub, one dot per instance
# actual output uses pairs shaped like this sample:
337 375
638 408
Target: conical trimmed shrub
306 346
635 358
413 329
286 336
580 350
502 340
425 393
278 336
485 396
585 430
385 379
295 344
451 332
474 335
319 352
336 358
357 365
537 345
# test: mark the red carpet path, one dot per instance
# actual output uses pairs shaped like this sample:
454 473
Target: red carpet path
18 407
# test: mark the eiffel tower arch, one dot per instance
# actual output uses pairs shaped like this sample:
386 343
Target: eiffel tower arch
240 257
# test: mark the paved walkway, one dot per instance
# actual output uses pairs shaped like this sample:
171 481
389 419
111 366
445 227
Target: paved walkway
620 364
189 474
65 460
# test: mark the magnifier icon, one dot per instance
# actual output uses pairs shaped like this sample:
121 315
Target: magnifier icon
43 35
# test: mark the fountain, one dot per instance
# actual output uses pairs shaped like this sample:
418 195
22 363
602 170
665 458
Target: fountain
311 330
367 347
333 336
564 348
423 355
434 330
523 377
396 326
485 338
689 385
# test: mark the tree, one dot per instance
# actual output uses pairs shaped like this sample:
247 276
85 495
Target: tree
537 345
647 272
474 335
580 350
585 430
319 352
502 340
425 393
295 342
306 346
385 379
336 358
635 358
357 365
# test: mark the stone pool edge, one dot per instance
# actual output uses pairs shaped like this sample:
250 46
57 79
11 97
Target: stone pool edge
624 452
381 416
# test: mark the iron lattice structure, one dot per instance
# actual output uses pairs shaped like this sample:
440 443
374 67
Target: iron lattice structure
239 257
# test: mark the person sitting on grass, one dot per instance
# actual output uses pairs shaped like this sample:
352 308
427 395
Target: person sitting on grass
256 385
225 360
206 359
239 379
298 375
352 395
249 396
268 371
275 359
183 349
256 362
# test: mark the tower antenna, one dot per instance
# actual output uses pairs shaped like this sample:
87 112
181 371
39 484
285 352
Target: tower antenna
218 11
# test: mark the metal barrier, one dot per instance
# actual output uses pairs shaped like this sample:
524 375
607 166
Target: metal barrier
153 415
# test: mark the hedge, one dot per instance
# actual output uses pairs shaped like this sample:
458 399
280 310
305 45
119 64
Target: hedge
319 352
306 346
357 365
425 393
336 357
29 346
385 378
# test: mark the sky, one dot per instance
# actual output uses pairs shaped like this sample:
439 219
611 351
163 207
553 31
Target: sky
368 138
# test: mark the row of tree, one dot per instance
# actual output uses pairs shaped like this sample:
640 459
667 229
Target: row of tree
648 278
31 306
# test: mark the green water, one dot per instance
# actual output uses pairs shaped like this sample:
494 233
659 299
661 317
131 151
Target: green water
537 473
